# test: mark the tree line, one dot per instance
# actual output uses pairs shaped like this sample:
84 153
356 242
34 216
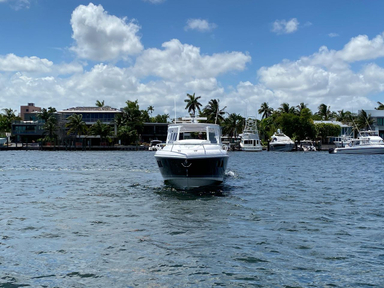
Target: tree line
295 121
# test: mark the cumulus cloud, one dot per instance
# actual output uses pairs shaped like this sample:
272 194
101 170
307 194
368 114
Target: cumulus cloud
101 37
326 76
285 27
361 48
199 25
11 62
179 61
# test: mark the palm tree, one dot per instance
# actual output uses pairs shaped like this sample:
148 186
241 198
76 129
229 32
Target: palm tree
213 112
45 114
265 110
364 121
285 108
233 124
50 129
101 129
325 112
192 104
99 104
150 109
76 125
301 107
344 117
381 106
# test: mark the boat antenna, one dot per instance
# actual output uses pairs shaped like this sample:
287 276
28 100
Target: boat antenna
175 108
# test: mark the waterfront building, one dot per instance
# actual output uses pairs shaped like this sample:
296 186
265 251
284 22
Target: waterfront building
154 131
378 121
91 115
28 110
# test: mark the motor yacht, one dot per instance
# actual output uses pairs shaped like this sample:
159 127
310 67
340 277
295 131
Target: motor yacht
250 140
281 142
368 142
193 155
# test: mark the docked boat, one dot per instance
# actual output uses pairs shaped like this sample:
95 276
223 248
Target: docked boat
193 155
3 141
368 142
250 140
306 145
281 142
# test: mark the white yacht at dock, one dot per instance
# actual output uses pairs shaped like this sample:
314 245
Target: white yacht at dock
281 142
193 155
368 142
250 140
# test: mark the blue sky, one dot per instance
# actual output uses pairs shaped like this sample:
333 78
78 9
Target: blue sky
67 53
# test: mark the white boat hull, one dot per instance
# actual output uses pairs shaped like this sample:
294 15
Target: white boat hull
190 173
369 149
286 147
251 148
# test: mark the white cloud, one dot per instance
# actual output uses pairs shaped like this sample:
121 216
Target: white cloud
11 62
285 27
326 76
361 48
181 62
200 25
332 35
103 37
161 75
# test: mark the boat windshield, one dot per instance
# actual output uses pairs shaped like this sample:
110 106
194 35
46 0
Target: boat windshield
205 132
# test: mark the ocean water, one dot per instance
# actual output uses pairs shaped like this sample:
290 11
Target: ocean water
105 219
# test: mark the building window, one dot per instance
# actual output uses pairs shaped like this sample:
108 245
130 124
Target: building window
380 121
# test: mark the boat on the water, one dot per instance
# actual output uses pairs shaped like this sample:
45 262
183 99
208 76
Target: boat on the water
250 140
368 142
193 155
306 145
3 141
281 142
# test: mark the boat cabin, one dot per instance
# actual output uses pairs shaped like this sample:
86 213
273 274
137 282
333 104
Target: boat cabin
194 133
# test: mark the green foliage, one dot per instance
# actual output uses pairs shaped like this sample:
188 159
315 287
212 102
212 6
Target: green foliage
160 118
99 104
364 121
127 134
380 107
324 130
213 112
6 119
265 110
266 128
233 124
100 129
76 125
131 122
50 129
45 114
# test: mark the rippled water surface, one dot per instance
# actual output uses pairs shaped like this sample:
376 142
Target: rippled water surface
105 219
